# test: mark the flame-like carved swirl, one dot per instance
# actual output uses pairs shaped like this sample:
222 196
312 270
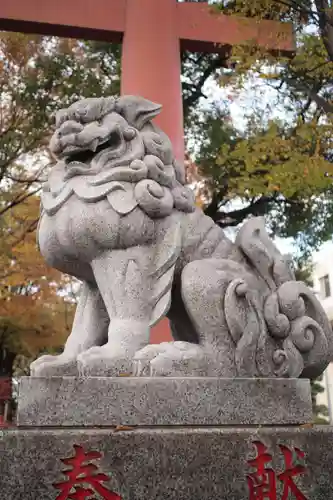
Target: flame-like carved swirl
267 342
281 362
256 354
158 144
294 315
278 324
155 200
163 174
291 300
183 199
303 333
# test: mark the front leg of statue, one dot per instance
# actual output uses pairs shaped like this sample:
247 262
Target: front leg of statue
123 279
89 329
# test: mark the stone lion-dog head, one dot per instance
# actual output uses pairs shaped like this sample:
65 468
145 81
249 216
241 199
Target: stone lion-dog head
108 145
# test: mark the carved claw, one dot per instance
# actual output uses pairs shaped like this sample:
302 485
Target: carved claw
175 359
54 366
103 362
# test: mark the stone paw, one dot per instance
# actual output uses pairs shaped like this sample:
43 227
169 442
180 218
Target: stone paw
54 366
174 359
104 362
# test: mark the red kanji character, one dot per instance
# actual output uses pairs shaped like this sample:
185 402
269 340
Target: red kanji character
291 471
262 482
81 473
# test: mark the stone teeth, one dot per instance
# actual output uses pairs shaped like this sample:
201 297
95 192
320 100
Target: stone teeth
94 145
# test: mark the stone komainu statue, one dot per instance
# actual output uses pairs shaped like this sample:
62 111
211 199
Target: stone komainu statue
116 215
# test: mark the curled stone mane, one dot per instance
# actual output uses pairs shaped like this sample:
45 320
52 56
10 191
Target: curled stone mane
107 145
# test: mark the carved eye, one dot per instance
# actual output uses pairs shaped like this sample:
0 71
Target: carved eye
81 113
129 134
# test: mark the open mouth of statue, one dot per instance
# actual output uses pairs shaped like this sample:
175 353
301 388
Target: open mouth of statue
85 156
79 161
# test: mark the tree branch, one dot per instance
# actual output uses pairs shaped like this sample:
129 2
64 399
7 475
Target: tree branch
258 207
18 200
192 99
321 102
325 13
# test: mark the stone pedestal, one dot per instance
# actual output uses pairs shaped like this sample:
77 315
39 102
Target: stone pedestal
208 463
161 401
161 439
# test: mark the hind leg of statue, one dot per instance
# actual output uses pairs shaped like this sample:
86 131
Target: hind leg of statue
89 329
122 277
179 357
203 346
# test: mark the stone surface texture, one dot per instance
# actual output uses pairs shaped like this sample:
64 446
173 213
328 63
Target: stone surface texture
168 464
162 401
117 215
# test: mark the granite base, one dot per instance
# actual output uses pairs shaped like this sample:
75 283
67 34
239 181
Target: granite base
103 401
166 464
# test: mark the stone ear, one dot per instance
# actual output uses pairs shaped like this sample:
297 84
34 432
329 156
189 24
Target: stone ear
137 111
60 117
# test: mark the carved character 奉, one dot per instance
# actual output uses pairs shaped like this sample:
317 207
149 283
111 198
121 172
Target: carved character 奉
117 215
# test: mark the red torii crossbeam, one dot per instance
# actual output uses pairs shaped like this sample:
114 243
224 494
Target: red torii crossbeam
153 33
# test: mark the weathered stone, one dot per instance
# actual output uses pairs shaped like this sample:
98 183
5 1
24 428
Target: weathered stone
168 464
117 215
79 402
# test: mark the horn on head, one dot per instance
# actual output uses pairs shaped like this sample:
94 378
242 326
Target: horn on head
137 110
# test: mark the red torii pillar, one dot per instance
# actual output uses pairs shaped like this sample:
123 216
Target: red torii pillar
151 62
153 33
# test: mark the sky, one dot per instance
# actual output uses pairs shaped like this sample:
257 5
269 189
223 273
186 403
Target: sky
326 250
